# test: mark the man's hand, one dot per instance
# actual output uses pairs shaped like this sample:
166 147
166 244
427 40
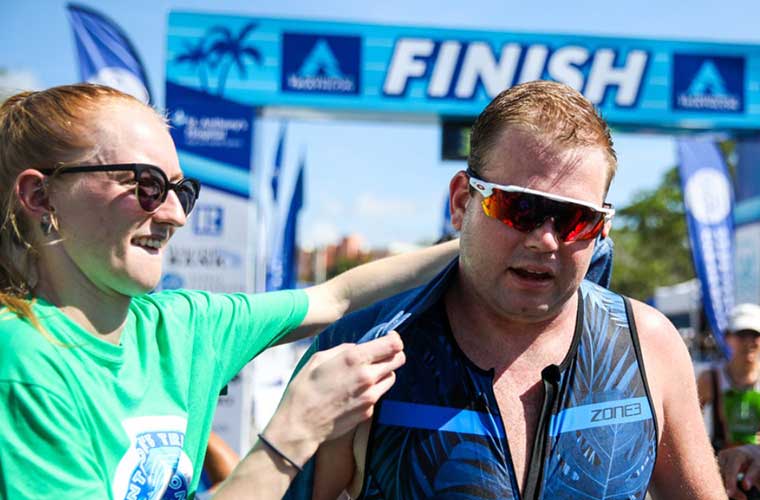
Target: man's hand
744 460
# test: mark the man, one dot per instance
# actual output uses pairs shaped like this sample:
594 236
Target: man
740 467
523 380
732 389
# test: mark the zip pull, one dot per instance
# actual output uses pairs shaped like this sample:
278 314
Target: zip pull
550 376
383 329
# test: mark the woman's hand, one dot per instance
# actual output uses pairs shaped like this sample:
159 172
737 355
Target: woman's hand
335 391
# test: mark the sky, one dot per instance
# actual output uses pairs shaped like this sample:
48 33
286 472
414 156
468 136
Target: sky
377 177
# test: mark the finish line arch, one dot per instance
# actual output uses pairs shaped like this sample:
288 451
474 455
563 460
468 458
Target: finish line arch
224 71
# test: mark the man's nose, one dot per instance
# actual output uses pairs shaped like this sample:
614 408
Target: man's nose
543 238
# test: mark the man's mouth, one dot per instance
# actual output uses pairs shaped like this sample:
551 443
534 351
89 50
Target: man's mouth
532 274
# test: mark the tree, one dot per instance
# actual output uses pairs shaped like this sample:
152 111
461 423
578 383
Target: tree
651 241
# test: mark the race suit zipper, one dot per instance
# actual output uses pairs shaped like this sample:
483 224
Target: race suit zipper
550 377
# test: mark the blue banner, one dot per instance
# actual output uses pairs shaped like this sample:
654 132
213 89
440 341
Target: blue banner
708 199
278 162
282 271
106 55
403 69
213 136
447 229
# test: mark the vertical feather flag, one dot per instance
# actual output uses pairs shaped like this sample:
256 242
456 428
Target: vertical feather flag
106 55
282 267
708 199
278 162
289 251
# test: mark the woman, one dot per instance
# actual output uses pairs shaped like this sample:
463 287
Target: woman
109 391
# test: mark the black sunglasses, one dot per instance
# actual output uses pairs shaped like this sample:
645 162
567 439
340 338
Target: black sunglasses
152 184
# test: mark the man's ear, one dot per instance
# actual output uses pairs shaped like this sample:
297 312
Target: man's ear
606 229
459 197
32 193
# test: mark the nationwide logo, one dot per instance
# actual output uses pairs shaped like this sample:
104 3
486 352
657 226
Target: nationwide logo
708 83
323 64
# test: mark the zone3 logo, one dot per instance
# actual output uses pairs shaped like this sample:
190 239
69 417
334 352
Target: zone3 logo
615 412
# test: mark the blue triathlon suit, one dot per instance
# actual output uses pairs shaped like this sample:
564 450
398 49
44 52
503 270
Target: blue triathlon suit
438 432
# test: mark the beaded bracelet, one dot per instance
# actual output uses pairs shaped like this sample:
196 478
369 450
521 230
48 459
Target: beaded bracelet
278 452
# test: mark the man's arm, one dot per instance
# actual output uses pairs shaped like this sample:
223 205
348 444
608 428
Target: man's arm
334 469
685 467
368 283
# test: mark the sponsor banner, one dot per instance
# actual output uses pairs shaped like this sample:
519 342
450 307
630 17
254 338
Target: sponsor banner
231 420
748 263
271 372
210 126
213 136
708 199
634 82
748 172
210 252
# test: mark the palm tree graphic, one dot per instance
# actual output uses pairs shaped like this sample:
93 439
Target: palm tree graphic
229 50
196 55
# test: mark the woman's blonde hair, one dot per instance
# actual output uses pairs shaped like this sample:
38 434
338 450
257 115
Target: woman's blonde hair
42 129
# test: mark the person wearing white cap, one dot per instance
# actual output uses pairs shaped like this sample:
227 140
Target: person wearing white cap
732 389
740 465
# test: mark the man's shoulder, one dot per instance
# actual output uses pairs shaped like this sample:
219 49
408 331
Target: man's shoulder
651 325
658 337
353 327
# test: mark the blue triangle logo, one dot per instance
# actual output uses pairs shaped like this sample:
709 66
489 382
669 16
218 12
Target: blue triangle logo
321 62
707 81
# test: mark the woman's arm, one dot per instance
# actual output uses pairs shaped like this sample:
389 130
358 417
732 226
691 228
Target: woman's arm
368 283
335 390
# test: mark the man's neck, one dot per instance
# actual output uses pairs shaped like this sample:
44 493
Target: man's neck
493 339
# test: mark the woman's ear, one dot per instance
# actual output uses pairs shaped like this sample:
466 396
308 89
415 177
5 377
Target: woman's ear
459 197
32 193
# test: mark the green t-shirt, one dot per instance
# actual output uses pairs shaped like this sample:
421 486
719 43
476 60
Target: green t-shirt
83 418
